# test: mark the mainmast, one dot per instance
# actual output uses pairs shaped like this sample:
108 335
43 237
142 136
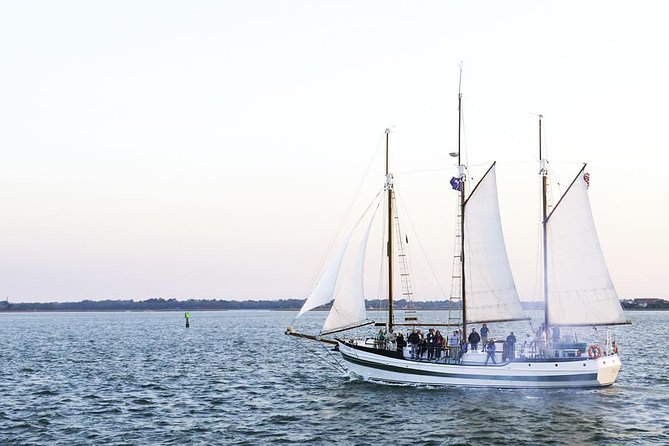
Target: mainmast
462 210
389 189
544 211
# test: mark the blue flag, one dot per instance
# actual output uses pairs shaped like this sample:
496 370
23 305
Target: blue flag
456 184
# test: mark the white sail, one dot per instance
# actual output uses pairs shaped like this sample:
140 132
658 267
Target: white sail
323 292
348 309
490 290
580 290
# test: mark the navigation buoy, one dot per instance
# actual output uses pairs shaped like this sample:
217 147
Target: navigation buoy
187 316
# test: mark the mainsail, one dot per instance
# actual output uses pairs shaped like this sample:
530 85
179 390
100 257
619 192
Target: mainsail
489 286
580 290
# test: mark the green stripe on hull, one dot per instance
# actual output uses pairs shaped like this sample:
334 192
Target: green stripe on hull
392 368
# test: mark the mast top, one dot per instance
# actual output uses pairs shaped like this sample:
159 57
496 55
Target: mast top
460 81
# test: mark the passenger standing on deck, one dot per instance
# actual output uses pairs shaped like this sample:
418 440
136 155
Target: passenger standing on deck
490 348
422 344
414 339
400 342
474 339
381 338
438 343
484 335
511 346
429 340
453 345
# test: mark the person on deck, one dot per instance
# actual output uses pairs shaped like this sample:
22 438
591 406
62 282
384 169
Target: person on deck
484 335
438 344
429 340
399 340
381 339
422 345
511 346
414 339
474 339
454 345
490 348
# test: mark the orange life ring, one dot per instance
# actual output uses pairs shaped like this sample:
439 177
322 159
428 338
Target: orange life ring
594 352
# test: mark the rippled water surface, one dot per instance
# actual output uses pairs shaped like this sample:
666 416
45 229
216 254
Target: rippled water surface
234 378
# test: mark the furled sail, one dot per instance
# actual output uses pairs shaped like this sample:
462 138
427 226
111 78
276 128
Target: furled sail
348 309
580 290
489 286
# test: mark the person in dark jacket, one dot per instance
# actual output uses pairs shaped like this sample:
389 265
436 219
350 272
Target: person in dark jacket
474 339
399 340
429 340
484 335
414 340
490 348
510 346
438 344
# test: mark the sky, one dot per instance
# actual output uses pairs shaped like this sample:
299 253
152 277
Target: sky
212 149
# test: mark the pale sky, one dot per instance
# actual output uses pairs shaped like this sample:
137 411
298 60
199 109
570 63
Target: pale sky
210 149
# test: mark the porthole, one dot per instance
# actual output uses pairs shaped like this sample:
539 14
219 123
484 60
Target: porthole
555 365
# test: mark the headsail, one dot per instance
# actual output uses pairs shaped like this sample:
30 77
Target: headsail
323 292
348 309
491 291
580 290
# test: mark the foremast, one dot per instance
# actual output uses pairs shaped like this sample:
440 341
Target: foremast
389 190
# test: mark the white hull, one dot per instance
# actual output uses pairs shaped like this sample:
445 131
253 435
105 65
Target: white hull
520 373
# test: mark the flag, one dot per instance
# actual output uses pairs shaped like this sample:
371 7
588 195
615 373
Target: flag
456 184
586 178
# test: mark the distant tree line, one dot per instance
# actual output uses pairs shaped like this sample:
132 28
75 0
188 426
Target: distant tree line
202 304
160 304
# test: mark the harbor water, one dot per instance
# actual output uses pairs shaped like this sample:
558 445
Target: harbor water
234 378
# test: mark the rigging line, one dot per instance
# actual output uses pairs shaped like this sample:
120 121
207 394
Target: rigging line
408 172
380 290
464 136
420 244
334 358
346 214
304 346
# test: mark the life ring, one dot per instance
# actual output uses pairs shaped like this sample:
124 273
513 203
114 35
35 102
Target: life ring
594 352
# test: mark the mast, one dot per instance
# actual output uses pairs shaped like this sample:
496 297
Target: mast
462 211
389 188
544 221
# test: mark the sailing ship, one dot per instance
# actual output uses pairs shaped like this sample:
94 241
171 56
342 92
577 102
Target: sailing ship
577 291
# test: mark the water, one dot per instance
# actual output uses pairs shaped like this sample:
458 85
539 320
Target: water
234 378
